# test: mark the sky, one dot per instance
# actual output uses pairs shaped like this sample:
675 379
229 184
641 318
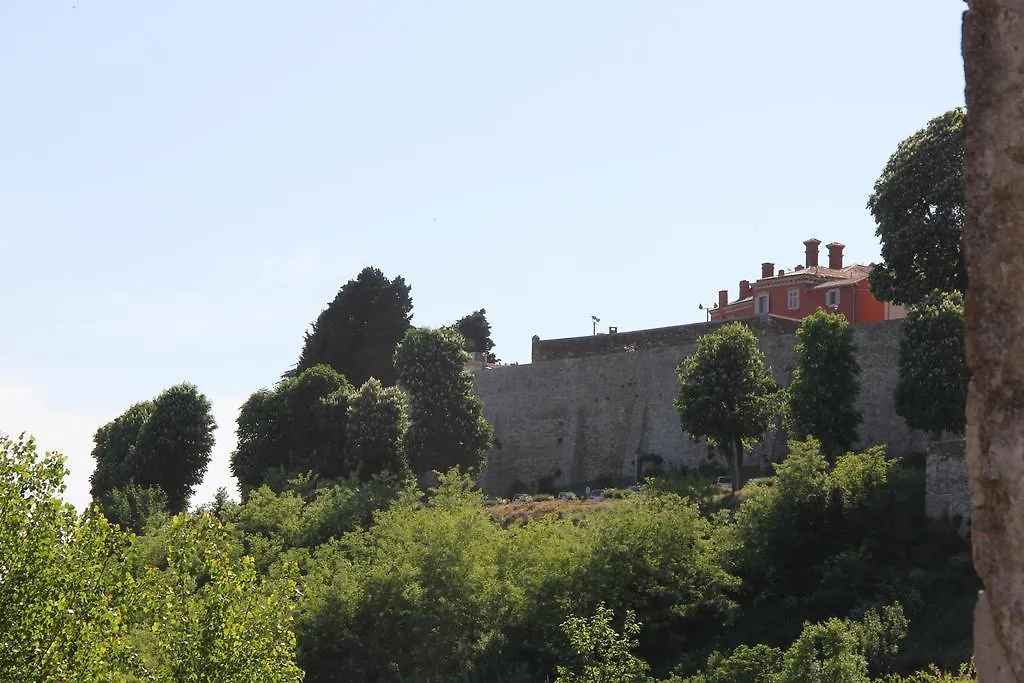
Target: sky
185 185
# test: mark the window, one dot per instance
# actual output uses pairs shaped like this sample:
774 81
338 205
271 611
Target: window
762 304
794 299
832 298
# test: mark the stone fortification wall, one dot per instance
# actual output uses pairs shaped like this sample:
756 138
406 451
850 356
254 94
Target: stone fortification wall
643 340
574 419
947 491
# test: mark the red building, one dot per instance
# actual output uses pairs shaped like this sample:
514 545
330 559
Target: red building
801 291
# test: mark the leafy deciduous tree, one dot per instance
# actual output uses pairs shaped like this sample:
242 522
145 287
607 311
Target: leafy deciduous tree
606 655
115 442
376 428
165 442
300 426
213 618
726 392
63 577
823 393
174 444
357 333
918 206
134 507
931 392
446 423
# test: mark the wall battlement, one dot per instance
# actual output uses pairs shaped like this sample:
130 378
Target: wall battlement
588 408
643 340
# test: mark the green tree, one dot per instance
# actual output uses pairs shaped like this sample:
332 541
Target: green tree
606 655
726 393
446 423
298 427
477 331
417 597
165 442
210 617
64 578
823 393
134 507
358 331
114 444
931 391
376 429
174 444
918 206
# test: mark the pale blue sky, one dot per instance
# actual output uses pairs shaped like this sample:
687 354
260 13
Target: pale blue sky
184 185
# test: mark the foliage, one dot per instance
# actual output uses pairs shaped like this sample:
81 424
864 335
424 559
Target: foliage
298 427
376 429
63 579
477 332
174 444
165 442
726 392
823 392
213 618
606 655
656 556
357 333
918 206
135 508
272 524
840 650
931 392
446 423
114 444
416 597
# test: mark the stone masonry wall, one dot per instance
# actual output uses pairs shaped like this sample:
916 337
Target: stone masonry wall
947 491
575 419
643 340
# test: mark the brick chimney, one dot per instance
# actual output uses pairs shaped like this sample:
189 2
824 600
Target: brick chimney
811 252
723 298
835 255
767 269
744 289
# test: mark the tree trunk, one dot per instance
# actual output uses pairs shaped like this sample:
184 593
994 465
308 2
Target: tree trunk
737 466
993 38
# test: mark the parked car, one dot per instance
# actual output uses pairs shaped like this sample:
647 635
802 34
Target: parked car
597 494
567 495
522 498
724 483
635 488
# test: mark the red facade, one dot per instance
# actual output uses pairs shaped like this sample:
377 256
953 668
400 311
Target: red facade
801 291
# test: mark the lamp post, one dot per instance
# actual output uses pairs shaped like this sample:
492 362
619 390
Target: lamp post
595 320
706 309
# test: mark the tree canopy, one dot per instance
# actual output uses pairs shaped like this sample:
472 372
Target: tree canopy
297 427
918 206
477 331
358 331
376 430
726 392
823 393
931 391
165 443
446 422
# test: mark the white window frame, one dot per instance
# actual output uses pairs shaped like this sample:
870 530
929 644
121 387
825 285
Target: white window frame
793 298
762 299
832 298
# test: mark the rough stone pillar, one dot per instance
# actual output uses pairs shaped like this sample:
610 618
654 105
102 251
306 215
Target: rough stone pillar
993 51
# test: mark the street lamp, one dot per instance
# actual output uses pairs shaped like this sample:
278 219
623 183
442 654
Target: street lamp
706 309
594 319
